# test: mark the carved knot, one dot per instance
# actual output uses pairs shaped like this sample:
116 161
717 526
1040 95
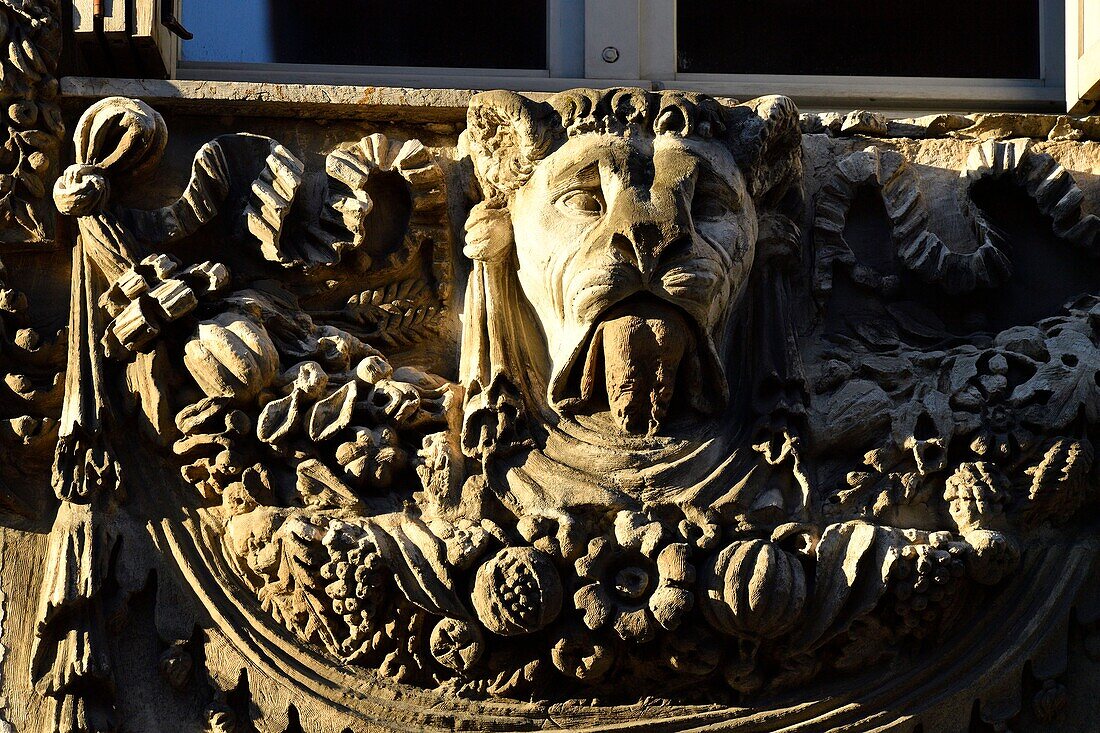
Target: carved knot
115 136
82 190
488 232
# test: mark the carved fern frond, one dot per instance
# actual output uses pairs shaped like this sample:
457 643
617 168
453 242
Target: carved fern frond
398 314
404 329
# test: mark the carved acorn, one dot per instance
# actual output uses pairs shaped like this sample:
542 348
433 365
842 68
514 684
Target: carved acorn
753 589
517 591
231 356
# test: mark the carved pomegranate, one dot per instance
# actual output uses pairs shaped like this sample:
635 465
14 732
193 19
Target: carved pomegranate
753 589
231 356
517 591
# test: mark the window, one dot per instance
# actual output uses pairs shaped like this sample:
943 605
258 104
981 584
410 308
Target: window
930 38
423 43
1082 55
936 54
933 54
430 33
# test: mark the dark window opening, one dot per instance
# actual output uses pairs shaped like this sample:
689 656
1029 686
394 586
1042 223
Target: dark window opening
494 35
997 39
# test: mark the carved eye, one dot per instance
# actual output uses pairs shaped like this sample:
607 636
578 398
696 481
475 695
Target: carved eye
713 199
579 201
708 207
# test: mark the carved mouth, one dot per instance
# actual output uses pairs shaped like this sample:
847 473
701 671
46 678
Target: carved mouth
641 360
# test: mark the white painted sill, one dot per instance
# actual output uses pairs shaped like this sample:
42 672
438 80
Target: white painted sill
448 105
911 95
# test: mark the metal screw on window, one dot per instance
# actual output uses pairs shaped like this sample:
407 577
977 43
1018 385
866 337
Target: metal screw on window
610 54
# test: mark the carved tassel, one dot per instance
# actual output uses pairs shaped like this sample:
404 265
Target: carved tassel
70 664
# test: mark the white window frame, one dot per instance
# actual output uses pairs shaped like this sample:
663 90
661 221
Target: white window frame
1082 55
642 34
658 63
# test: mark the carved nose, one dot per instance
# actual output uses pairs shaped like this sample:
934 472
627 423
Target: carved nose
647 246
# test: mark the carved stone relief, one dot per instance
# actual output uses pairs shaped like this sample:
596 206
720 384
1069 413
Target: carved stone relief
30 32
623 409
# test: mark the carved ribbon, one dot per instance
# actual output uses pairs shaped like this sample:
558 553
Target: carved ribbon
488 327
116 140
115 137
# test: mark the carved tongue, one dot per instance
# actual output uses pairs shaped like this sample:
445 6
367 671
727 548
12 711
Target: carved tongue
641 346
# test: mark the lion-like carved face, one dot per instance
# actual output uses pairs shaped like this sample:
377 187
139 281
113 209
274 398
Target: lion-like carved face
633 252
628 222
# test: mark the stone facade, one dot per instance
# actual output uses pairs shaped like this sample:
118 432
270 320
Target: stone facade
343 409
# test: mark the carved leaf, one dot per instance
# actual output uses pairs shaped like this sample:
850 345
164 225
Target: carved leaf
857 412
418 560
302 607
854 560
147 378
279 418
320 489
399 314
915 319
1059 482
1066 385
332 414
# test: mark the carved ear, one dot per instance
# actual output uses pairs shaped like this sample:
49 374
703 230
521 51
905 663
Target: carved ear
767 141
507 135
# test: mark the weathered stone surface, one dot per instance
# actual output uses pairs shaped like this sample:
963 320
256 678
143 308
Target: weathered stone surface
275 100
31 125
624 409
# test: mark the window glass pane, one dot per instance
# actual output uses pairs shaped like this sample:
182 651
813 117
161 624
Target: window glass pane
946 38
502 34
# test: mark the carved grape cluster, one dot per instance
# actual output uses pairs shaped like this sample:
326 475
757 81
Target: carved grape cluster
357 588
522 592
925 580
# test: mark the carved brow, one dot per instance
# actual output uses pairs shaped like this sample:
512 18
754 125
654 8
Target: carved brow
582 173
692 169
704 165
705 173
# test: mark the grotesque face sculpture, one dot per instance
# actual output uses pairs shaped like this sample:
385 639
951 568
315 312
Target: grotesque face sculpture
632 252
632 224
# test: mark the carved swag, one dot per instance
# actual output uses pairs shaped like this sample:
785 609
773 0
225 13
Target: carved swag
653 477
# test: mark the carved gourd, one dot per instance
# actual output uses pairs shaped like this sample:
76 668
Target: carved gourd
231 356
753 589
517 591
